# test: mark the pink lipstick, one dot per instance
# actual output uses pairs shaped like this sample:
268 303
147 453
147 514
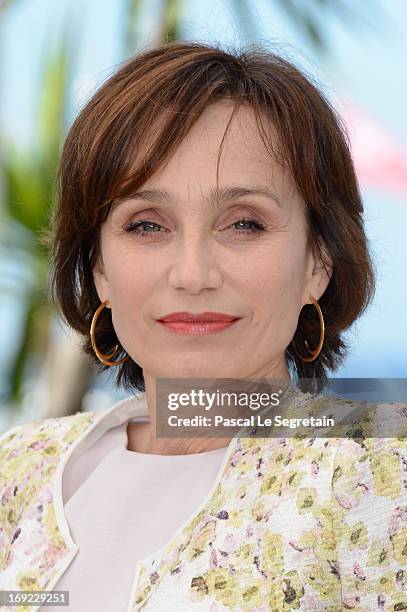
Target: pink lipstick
189 323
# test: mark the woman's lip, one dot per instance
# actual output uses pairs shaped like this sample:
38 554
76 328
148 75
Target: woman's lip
201 317
197 328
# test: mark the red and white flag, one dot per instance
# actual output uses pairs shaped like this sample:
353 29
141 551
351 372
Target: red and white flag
380 156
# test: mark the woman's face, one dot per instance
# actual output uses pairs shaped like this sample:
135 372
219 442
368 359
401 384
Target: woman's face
193 255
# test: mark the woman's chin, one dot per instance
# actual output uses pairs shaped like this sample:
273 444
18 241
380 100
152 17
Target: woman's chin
197 371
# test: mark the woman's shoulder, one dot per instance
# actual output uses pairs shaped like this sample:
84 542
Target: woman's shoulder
30 454
28 433
369 509
353 417
50 436
30 446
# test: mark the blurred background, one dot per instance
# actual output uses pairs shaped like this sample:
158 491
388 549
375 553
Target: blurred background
55 53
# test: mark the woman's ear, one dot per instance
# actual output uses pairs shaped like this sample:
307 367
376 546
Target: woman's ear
324 268
100 279
321 268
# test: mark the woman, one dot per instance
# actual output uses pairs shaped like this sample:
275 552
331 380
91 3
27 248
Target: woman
194 181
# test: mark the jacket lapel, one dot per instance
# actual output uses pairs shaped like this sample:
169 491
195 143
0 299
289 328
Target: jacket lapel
189 542
36 546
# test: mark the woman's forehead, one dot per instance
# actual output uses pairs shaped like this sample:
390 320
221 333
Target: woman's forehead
245 160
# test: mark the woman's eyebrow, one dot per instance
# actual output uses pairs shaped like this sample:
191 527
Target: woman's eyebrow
214 198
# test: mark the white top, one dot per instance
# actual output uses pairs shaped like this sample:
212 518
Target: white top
130 504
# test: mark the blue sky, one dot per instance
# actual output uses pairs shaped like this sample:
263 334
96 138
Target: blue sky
366 64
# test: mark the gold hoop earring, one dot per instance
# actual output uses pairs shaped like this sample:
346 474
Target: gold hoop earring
101 356
315 352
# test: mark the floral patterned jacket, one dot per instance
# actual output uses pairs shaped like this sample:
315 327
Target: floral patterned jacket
308 523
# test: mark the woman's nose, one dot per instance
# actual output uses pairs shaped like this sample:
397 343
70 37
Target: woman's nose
194 266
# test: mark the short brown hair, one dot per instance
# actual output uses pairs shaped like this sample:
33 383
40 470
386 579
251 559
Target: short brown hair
98 165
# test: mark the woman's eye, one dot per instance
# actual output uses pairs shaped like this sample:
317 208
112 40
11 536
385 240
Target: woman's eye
145 228
134 226
257 226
